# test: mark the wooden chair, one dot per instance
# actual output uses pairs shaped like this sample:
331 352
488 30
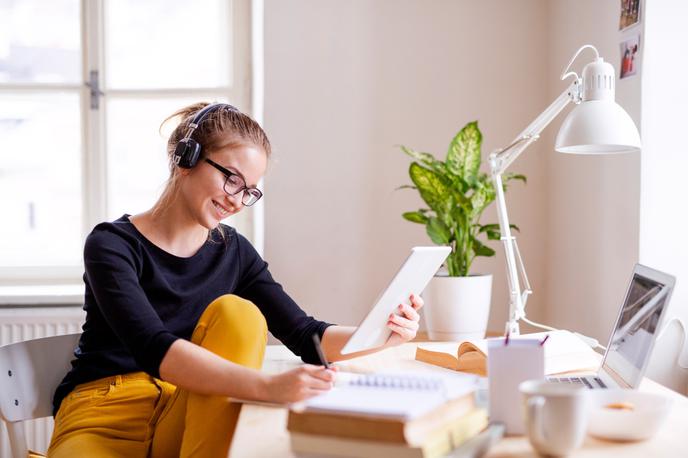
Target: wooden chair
29 373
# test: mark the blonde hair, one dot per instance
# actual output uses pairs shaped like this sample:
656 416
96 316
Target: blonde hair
221 128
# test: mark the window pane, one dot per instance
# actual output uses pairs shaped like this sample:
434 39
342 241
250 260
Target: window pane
137 159
137 162
40 180
167 43
40 41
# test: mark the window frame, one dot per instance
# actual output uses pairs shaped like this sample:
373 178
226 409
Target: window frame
245 28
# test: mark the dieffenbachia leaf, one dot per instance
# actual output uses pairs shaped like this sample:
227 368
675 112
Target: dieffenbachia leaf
438 231
482 250
432 186
415 217
463 157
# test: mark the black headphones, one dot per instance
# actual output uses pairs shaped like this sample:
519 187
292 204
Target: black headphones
188 150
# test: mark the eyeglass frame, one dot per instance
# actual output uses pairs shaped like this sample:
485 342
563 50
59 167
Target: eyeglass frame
228 174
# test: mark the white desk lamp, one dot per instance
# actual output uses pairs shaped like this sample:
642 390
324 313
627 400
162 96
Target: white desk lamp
597 125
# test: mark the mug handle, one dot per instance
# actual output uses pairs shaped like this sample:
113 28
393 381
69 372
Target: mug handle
535 421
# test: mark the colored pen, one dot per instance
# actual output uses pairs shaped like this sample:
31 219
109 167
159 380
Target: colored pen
544 340
318 349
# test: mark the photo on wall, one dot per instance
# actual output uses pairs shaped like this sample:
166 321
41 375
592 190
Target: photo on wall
630 56
630 13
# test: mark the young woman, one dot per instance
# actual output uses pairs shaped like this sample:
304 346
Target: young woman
178 307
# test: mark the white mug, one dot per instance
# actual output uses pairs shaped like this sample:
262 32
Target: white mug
555 415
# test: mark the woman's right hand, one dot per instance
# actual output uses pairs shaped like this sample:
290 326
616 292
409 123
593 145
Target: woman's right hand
298 384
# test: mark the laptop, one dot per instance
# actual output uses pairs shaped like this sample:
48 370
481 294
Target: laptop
634 334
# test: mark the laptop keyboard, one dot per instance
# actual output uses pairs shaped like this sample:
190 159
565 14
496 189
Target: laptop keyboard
589 382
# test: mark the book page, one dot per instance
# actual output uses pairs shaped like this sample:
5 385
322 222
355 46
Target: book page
455 350
440 347
479 346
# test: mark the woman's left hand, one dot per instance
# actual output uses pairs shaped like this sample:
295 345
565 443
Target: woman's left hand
405 326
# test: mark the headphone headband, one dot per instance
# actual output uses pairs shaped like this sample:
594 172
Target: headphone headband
188 150
202 113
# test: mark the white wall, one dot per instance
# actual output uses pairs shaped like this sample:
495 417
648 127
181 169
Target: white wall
345 82
664 161
607 213
593 211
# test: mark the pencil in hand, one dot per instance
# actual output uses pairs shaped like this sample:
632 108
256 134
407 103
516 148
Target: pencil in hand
319 350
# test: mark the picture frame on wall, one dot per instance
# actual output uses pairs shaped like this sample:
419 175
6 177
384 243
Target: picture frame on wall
630 56
630 14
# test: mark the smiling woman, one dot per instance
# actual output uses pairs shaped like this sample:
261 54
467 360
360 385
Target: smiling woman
233 140
178 306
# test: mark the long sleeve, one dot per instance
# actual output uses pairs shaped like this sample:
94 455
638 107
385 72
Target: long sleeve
139 299
285 319
113 276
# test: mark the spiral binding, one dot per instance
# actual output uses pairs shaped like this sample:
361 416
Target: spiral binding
403 382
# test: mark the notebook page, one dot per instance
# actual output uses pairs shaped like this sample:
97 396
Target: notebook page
392 395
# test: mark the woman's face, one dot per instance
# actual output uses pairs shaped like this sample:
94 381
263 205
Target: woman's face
202 187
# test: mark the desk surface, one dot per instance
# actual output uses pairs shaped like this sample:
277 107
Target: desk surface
261 431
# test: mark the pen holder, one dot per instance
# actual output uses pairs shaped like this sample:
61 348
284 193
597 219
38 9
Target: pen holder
510 362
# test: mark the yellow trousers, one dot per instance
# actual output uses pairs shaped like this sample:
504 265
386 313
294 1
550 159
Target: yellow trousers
136 415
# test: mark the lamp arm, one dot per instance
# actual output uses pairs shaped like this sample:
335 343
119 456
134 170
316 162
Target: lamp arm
499 162
505 156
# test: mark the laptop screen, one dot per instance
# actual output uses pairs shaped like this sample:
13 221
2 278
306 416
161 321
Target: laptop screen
634 334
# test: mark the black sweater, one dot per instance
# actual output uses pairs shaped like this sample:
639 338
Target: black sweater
140 299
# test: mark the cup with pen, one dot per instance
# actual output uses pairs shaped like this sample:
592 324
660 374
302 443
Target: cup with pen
511 361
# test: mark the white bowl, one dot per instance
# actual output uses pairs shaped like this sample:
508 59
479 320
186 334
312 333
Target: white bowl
643 414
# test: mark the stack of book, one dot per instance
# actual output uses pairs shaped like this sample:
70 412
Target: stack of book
389 416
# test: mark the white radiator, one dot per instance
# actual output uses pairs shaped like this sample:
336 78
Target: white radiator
25 323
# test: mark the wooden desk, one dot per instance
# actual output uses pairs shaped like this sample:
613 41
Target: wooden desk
261 431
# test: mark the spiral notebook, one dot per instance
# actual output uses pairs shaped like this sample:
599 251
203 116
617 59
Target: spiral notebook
392 395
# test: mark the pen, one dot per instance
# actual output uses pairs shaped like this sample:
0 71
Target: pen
544 340
506 338
318 349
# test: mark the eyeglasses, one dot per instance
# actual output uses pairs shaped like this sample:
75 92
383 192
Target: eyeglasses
235 184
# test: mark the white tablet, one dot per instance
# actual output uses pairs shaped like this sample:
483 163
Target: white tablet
413 277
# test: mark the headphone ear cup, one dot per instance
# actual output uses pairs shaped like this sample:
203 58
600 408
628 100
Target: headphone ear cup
186 153
193 152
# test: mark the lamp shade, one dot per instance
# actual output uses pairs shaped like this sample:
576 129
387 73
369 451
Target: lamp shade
598 127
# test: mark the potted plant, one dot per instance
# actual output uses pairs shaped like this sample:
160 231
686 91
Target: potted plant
456 194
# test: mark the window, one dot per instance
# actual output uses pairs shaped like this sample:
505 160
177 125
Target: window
84 86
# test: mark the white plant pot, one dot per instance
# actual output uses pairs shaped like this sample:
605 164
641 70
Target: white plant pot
457 308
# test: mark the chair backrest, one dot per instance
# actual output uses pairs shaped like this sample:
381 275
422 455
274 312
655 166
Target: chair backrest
29 374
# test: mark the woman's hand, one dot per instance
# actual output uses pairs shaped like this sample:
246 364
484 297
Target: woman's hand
404 327
298 384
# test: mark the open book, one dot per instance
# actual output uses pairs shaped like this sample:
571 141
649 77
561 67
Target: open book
564 352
